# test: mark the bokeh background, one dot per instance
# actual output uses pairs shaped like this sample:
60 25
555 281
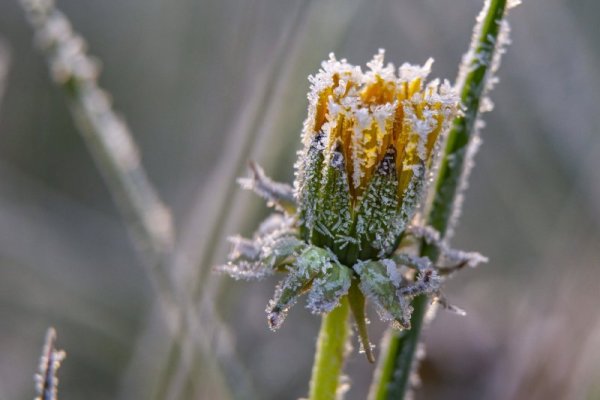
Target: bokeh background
206 86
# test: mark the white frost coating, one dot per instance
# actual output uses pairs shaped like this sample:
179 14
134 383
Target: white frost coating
490 56
344 381
443 302
274 244
377 69
393 272
328 288
457 257
463 185
323 80
313 268
415 262
278 195
408 72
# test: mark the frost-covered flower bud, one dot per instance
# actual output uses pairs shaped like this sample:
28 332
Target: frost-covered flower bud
369 140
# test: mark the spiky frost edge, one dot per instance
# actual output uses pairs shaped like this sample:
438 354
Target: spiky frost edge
278 195
485 105
254 259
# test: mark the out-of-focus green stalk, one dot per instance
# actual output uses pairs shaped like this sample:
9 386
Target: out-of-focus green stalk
398 357
330 354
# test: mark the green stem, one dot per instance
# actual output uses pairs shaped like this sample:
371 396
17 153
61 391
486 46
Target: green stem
330 354
395 366
397 363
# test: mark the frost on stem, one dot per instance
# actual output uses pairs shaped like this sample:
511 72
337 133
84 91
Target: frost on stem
46 382
484 52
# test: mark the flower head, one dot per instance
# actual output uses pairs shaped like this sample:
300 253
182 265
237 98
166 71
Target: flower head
378 130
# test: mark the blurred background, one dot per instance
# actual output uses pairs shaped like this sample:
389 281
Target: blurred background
206 86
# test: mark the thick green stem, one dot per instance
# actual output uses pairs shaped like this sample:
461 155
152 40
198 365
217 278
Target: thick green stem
396 364
330 354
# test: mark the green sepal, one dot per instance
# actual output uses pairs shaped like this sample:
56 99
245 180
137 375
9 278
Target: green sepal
380 281
334 219
281 251
376 225
412 196
308 264
331 283
357 306
308 183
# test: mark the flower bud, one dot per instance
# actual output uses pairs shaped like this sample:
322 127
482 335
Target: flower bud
369 140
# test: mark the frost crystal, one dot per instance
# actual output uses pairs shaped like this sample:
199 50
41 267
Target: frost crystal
479 54
279 195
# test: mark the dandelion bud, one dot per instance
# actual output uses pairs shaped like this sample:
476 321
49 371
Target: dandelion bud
369 140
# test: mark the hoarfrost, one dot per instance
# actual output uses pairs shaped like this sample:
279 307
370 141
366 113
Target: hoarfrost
278 195
328 287
408 260
409 72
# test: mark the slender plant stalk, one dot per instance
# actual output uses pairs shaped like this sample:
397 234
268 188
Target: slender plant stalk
107 137
179 367
4 66
396 365
117 157
260 121
46 381
330 354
